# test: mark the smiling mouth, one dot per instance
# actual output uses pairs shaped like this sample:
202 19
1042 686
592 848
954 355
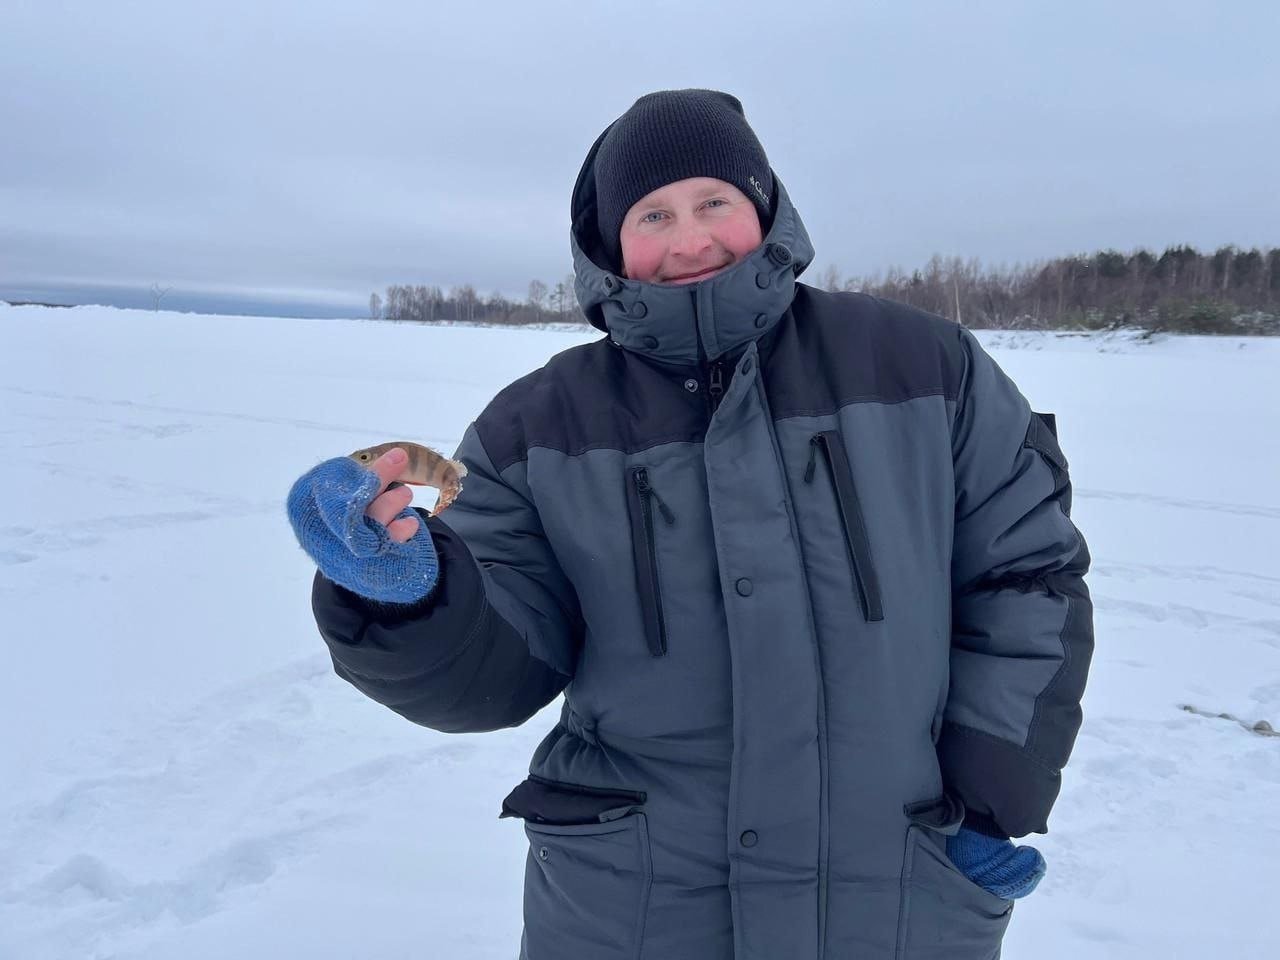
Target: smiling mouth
696 276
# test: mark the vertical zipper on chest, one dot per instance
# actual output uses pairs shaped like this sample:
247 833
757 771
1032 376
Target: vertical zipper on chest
641 496
855 529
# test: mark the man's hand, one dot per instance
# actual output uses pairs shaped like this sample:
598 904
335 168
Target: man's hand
355 523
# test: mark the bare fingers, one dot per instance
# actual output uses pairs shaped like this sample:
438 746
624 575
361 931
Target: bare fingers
389 503
390 466
402 530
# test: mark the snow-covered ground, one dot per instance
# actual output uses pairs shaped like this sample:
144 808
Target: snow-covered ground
182 775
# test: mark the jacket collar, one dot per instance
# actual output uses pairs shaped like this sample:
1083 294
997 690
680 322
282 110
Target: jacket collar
690 323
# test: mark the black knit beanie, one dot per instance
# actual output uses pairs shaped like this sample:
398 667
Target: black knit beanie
672 135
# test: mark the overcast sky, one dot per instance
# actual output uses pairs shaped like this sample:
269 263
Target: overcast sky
316 151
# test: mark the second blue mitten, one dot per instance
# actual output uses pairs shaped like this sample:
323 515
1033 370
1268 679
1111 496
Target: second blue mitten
995 864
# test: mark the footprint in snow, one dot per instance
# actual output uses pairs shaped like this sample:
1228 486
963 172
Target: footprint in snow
196 893
1261 727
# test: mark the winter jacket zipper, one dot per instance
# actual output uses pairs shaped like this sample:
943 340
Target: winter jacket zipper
640 495
715 385
855 530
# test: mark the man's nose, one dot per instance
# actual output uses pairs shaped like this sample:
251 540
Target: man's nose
690 240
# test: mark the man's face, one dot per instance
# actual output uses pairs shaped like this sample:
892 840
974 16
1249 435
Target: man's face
688 231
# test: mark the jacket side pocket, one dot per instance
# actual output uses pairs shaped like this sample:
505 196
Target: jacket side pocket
586 884
855 528
641 500
944 915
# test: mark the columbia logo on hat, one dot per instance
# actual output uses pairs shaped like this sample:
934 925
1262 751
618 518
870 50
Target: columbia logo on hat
759 189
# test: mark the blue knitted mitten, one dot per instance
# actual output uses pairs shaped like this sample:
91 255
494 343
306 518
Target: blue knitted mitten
997 865
326 507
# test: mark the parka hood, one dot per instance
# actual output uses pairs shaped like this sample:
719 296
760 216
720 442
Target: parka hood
686 322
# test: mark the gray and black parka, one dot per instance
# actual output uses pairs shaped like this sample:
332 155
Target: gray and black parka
802 565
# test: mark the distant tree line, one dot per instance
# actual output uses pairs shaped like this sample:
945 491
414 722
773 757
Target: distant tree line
1182 290
430 304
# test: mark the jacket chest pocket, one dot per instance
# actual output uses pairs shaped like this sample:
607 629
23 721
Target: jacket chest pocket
643 506
588 873
829 444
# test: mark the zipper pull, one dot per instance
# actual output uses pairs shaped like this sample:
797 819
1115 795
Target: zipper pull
813 456
717 382
646 490
667 515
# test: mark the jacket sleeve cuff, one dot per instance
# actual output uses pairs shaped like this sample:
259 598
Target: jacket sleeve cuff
997 780
386 612
389 612
984 825
394 641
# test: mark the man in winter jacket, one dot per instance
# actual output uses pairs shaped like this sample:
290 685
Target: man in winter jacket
801 563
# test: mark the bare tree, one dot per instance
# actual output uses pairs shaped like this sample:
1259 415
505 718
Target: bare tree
570 295
157 293
537 294
394 303
375 307
433 296
558 297
465 298
497 308
829 279
420 306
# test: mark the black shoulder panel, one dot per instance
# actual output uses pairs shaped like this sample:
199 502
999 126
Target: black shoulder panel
842 348
827 351
596 395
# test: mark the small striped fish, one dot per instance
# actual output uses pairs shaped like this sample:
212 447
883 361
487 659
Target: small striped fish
426 469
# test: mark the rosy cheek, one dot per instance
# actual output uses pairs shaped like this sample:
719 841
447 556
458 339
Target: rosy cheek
745 238
642 257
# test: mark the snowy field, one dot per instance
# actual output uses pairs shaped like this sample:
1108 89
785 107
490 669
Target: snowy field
183 776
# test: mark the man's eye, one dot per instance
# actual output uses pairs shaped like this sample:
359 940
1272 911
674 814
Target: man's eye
717 200
651 213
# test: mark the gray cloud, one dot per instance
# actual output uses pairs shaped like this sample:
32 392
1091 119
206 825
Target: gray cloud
325 147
